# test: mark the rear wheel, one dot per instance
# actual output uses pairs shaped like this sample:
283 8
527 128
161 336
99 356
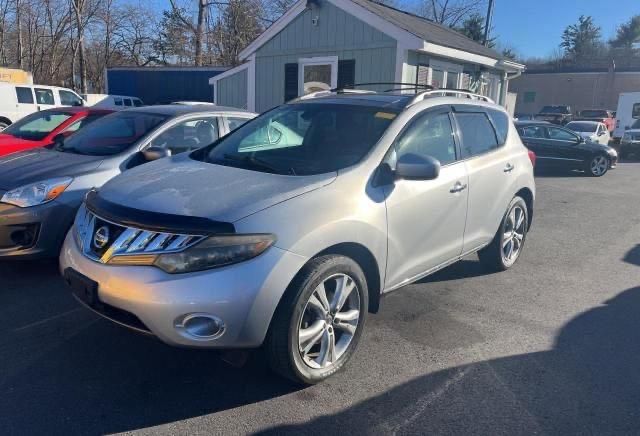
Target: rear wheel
318 324
507 244
598 166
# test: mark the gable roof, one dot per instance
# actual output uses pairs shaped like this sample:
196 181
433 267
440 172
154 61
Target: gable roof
427 30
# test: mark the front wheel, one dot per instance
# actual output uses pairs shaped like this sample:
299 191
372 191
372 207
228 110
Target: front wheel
319 321
507 244
598 166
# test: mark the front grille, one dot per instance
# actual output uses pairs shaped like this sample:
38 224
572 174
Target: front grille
101 240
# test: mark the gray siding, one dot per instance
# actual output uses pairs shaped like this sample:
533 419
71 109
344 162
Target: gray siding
232 90
337 34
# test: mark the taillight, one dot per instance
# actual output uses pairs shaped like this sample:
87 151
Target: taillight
532 158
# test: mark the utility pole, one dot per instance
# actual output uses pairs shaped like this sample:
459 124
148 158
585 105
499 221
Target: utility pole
487 24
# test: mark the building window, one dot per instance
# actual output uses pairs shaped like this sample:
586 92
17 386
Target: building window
317 74
530 97
439 75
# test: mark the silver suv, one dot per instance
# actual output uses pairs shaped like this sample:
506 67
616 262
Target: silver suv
288 231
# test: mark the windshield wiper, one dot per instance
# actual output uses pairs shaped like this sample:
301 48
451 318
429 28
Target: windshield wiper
256 162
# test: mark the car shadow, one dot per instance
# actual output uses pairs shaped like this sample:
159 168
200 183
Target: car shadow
463 269
588 383
557 172
633 256
62 367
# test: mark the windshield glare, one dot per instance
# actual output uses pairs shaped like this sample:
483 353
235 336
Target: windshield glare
37 126
303 139
582 127
112 134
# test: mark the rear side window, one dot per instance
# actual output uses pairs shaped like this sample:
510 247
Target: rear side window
501 123
127 102
25 96
478 136
44 96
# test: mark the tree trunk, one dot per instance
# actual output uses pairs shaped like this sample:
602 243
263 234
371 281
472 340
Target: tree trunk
19 28
202 17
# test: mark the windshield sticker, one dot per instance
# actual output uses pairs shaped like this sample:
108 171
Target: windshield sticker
385 115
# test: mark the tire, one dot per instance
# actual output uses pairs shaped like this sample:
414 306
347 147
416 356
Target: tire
301 309
597 166
493 256
3 125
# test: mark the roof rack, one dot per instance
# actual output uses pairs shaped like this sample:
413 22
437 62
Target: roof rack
449 92
326 92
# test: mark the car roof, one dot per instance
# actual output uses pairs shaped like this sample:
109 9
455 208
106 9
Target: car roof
386 100
177 109
78 109
534 123
585 122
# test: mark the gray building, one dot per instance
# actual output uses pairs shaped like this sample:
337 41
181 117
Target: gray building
578 89
323 44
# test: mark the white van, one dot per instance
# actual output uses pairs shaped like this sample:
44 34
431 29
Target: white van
17 101
628 113
110 101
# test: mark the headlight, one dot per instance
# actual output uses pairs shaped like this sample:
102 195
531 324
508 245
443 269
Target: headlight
37 193
215 251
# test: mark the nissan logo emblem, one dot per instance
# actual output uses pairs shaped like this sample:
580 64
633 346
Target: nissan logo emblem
101 237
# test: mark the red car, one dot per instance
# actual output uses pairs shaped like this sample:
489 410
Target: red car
41 128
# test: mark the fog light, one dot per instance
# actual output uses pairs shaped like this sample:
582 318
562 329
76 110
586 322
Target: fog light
201 326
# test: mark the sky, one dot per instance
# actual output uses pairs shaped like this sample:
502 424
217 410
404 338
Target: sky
534 27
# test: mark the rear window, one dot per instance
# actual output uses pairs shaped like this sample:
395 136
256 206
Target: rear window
25 96
577 126
594 114
478 136
555 110
113 133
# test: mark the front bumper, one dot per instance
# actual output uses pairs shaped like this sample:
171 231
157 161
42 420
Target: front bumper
244 296
34 232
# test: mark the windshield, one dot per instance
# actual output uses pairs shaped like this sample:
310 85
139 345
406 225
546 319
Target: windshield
594 114
37 126
112 134
636 124
582 127
303 139
554 110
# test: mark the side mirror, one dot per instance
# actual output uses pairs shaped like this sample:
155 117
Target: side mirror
58 140
155 153
411 166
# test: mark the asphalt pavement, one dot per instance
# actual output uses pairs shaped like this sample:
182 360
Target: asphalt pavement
549 347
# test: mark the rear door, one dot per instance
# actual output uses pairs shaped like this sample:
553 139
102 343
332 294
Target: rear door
491 168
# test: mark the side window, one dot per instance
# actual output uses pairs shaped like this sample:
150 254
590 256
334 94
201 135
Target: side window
69 98
635 113
430 134
127 102
234 123
25 96
137 103
188 135
501 123
117 101
44 96
560 135
478 136
535 132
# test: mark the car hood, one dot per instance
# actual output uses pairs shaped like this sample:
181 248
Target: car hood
39 164
183 186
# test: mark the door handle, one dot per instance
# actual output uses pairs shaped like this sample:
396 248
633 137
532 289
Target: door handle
508 168
458 187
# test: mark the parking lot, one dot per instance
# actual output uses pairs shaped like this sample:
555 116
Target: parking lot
551 346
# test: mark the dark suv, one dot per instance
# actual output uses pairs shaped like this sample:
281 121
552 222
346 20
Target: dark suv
555 114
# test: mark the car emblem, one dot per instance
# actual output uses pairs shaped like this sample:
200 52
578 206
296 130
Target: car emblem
101 237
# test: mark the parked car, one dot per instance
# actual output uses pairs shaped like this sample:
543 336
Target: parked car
555 114
630 143
627 113
558 147
41 190
591 131
288 230
599 115
44 128
17 101
114 102
524 117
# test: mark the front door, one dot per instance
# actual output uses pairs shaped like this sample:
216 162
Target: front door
561 147
426 218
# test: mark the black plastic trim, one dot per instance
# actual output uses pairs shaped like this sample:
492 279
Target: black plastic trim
154 221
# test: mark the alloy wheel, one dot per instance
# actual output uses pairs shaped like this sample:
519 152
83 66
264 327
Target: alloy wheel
329 321
513 235
599 165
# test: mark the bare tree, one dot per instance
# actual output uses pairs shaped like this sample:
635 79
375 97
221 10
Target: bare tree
452 12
